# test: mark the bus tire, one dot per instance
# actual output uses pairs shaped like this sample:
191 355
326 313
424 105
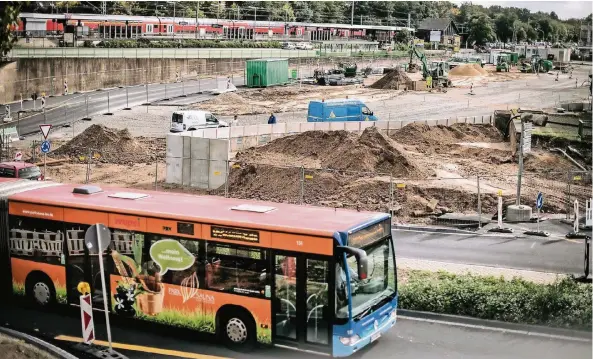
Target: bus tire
236 328
40 289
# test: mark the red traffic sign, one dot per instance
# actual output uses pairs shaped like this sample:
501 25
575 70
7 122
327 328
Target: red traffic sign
45 130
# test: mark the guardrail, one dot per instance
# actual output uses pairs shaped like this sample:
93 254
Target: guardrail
243 137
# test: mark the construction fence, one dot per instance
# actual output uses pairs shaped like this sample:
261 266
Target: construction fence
463 202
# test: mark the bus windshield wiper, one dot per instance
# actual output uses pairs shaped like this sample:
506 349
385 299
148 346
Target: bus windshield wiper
363 313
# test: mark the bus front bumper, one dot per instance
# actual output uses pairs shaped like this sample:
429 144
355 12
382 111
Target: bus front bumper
343 347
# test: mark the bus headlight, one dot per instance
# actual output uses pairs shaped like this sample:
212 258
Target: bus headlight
350 340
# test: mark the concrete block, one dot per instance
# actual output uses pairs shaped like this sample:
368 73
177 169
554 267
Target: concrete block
174 146
237 131
223 132
307 126
186 153
322 126
352 126
250 131
219 150
293 127
186 171
519 213
217 174
200 149
198 176
366 124
173 170
211 133
337 126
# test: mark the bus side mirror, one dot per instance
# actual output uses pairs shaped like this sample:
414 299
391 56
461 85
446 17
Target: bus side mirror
361 259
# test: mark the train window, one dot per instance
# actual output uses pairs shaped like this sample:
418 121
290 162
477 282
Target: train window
149 28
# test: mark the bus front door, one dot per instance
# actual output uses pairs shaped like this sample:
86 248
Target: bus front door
301 301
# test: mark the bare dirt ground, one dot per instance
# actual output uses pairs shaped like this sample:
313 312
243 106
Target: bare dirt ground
12 348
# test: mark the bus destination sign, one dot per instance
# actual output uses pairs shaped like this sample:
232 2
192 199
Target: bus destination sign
235 234
369 235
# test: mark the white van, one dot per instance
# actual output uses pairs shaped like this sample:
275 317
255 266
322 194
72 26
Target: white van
194 120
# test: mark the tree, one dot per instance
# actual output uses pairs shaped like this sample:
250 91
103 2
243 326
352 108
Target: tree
10 12
553 16
302 11
480 29
504 26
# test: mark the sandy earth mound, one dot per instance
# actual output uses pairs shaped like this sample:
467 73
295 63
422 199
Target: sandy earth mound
392 80
470 70
339 150
107 145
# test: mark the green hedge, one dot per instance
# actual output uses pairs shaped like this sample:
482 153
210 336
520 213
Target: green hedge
564 303
187 43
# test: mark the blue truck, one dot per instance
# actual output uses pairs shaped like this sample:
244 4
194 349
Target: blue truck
339 110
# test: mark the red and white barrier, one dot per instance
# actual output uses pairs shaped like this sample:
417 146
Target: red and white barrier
86 315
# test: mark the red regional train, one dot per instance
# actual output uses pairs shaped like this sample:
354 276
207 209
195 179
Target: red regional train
112 26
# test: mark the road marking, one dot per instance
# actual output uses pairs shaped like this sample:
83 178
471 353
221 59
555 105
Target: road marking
532 245
497 329
141 348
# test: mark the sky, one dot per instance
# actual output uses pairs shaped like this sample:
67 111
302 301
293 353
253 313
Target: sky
564 9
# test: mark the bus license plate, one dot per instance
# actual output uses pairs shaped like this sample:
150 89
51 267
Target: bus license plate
375 336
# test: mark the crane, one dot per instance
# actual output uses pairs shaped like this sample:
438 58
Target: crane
439 74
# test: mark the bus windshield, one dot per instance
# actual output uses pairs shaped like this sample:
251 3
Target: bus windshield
380 283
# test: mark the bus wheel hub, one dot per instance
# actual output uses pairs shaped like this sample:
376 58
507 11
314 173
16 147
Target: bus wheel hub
41 293
236 330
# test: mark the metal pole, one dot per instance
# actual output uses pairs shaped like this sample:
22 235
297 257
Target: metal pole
88 167
156 172
479 203
104 290
352 15
520 174
226 182
302 184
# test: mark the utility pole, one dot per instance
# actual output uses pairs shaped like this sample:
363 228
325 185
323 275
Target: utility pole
174 4
520 174
352 14
409 20
197 15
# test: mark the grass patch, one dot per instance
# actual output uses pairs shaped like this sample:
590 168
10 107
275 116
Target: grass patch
61 295
564 303
18 289
203 322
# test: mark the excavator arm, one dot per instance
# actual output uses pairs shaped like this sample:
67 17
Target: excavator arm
414 52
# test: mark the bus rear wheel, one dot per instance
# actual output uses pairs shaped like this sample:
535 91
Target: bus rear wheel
237 330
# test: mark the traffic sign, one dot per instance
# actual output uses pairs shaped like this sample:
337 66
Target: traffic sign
45 146
45 130
97 236
539 202
18 156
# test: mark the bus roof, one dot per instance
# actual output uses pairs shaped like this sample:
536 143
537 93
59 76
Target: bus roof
308 220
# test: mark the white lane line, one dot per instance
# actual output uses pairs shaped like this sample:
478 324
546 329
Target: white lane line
532 245
497 329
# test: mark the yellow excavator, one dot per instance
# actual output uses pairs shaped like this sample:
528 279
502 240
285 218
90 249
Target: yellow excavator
439 74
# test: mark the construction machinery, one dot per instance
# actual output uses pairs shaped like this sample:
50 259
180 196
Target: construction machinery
503 63
536 65
437 76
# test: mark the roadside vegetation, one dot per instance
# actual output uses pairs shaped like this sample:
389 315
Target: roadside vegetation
563 304
186 43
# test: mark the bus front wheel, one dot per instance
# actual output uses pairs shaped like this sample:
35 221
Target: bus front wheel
40 289
237 329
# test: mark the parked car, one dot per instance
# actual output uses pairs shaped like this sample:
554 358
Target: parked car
194 120
304 46
22 170
288 46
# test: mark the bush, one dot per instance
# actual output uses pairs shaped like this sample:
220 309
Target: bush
564 303
88 43
188 43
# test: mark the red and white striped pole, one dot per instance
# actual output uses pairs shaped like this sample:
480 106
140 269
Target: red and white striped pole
86 317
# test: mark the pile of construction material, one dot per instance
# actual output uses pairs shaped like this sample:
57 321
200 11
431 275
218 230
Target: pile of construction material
468 70
395 79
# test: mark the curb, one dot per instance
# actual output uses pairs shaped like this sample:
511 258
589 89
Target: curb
487 324
43 345
432 229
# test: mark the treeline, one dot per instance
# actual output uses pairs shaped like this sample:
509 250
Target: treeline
480 24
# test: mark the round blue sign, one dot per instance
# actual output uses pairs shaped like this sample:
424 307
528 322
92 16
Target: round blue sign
45 146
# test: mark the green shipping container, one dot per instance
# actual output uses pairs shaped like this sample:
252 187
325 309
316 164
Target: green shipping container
267 72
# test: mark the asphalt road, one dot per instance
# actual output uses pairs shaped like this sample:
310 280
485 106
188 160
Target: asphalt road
531 253
408 339
63 110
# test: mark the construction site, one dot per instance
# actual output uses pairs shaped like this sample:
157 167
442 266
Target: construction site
421 172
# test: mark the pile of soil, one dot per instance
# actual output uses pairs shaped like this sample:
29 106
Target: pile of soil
469 70
339 150
111 145
434 139
392 80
